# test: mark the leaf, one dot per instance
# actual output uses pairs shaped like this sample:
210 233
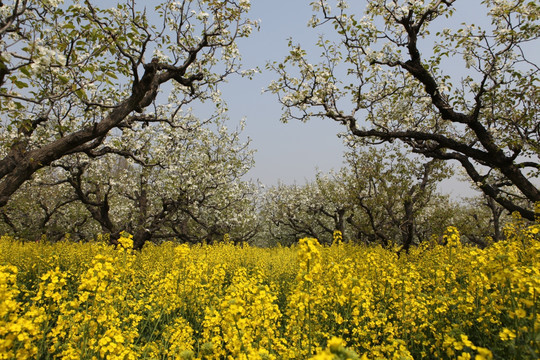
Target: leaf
112 75
25 71
63 79
81 94
20 84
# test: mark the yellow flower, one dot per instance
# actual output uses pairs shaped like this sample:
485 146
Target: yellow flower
334 344
507 334
534 229
521 313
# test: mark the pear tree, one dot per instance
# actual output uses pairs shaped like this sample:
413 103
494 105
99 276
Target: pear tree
404 70
73 74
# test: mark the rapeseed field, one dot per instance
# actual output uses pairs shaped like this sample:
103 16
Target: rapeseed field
443 300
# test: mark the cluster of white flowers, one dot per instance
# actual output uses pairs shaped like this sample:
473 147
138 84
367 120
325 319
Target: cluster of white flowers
6 10
160 55
175 5
201 16
503 5
372 55
53 3
44 57
245 4
245 30
342 4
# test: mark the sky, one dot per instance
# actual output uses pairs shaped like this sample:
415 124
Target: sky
292 152
289 152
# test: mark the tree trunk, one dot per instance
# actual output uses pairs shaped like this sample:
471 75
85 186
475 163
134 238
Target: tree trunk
408 226
140 238
496 213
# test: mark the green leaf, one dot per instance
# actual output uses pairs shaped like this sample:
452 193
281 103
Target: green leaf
112 75
20 84
81 94
25 71
63 79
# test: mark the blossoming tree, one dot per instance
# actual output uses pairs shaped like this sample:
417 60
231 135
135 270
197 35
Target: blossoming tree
391 192
71 73
155 181
377 198
389 77
315 209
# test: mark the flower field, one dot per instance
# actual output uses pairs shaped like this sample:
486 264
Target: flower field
89 301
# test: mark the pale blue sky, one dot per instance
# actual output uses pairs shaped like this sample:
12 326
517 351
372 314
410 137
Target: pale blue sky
289 152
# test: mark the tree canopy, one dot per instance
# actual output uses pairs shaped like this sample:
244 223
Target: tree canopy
392 76
71 73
